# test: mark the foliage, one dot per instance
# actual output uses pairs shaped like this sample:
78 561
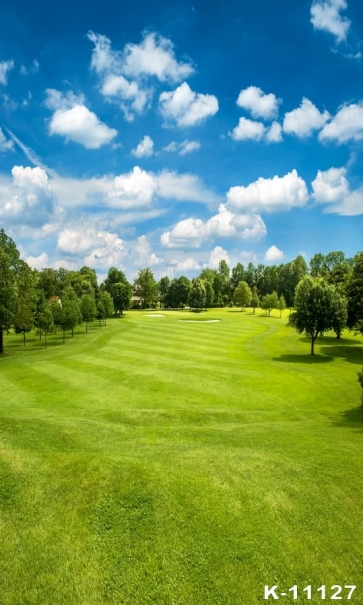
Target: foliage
318 308
121 294
282 304
242 295
88 309
269 302
147 287
355 294
8 294
255 301
197 295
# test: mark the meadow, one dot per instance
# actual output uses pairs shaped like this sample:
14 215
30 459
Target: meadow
169 462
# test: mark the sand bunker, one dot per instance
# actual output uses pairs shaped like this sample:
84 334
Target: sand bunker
200 321
154 315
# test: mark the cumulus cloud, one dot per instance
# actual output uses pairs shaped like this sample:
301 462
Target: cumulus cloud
186 107
269 195
28 198
98 248
192 232
38 262
135 189
273 254
126 76
274 134
217 254
5 67
5 144
260 105
145 148
305 119
188 264
325 16
182 148
143 254
185 187
73 120
331 188
347 125
248 129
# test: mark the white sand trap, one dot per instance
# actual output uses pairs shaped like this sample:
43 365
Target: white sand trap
155 315
200 321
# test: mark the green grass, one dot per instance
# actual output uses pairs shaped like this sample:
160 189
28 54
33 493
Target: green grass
156 461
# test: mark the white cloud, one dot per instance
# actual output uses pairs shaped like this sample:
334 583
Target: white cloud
260 105
38 262
132 190
143 255
274 134
75 122
217 254
273 254
269 195
325 16
248 130
5 67
154 56
97 247
331 187
145 148
192 232
182 148
346 125
185 187
5 144
27 198
186 107
188 264
305 119
126 76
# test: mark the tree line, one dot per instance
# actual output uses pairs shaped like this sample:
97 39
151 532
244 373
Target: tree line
326 295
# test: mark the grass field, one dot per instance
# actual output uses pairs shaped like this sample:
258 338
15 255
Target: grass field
157 461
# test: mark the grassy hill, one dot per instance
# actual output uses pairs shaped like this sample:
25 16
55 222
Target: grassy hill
160 461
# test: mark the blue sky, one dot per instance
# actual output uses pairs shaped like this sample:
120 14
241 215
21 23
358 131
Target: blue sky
173 135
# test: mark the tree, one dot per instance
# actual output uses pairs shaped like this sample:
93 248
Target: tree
101 313
354 292
163 287
45 321
360 380
269 302
27 294
238 275
315 307
184 286
121 294
242 295
88 309
255 301
223 271
8 295
107 303
339 312
209 294
282 304
147 286
197 294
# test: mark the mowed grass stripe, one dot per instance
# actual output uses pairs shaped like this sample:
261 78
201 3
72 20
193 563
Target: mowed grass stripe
128 479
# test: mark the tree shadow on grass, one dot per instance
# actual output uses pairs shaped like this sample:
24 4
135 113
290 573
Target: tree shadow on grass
306 358
350 418
350 354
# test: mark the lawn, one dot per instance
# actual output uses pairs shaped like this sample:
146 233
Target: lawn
167 462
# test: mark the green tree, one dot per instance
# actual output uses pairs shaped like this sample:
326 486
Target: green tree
163 287
146 286
8 295
282 304
255 301
269 302
354 292
209 294
315 306
197 295
339 312
238 275
107 302
45 321
121 294
242 295
88 309
27 295
360 380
